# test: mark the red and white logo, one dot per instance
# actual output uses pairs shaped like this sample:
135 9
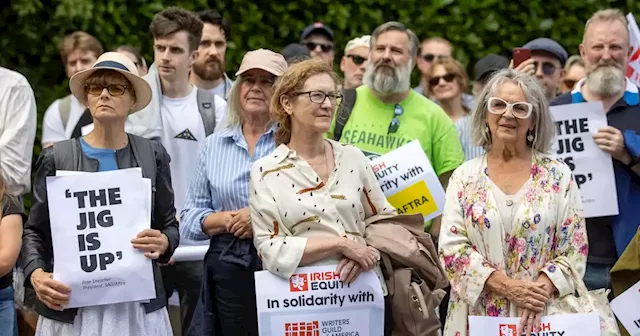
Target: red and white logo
302 329
298 283
508 330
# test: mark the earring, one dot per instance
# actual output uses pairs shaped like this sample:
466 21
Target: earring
530 136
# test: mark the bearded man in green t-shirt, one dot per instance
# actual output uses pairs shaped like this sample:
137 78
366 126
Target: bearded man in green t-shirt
388 114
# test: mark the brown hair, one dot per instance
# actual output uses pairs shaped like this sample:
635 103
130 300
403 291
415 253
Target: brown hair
79 40
291 81
176 19
451 66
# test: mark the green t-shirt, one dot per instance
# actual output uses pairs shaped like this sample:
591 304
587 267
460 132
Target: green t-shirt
422 119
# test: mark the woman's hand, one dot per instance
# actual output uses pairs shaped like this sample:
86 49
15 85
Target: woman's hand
52 293
527 294
349 270
153 242
547 284
364 255
240 224
529 321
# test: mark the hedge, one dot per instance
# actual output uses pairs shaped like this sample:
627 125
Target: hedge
32 29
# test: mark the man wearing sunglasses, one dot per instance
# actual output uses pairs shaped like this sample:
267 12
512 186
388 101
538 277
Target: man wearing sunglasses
319 39
605 50
430 50
548 58
354 61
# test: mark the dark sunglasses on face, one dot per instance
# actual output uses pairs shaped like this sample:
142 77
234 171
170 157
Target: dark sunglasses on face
324 47
548 68
395 122
431 57
114 89
357 60
433 81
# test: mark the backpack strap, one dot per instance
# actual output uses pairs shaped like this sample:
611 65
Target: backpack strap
61 150
348 102
64 108
145 157
207 109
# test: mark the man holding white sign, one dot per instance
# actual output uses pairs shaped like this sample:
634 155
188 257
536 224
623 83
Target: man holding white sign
605 50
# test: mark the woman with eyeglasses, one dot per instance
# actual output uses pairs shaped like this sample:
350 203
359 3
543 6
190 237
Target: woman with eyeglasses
510 213
217 203
312 198
111 89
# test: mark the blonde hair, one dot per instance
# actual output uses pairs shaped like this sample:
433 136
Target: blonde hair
574 60
235 116
291 81
544 129
607 15
450 66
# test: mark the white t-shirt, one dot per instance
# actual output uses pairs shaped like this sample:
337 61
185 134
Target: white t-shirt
220 90
52 128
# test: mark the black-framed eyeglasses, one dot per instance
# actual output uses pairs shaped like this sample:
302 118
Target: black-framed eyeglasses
431 57
548 68
357 60
114 89
433 81
319 97
395 122
325 47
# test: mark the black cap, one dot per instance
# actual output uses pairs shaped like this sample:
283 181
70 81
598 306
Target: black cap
550 46
295 52
317 27
488 65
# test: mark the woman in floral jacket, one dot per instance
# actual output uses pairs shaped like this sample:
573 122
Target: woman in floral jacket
510 213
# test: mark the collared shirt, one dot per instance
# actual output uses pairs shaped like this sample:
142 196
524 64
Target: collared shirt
289 204
220 181
609 236
17 130
471 151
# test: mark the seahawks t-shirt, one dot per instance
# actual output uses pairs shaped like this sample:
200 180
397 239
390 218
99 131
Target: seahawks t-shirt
368 125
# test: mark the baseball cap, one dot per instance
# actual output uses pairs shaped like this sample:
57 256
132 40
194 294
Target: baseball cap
550 46
489 64
362 41
318 27
264 59
295 52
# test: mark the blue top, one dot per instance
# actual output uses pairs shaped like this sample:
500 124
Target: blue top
106 157
220 181
616 230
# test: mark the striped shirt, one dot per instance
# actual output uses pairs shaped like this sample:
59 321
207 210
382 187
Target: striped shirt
471 151
220 181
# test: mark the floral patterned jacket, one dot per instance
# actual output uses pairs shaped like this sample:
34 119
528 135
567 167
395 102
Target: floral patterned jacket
474 243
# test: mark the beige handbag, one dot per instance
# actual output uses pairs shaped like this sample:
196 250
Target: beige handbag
585 301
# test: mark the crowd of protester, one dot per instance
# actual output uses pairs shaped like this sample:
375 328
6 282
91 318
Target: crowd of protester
212 142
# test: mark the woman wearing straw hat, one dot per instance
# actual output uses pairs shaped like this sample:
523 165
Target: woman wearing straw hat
111 90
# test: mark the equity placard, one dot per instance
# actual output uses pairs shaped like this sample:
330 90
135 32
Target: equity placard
556 325
315 301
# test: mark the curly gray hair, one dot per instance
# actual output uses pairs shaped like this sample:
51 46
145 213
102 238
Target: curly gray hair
544 130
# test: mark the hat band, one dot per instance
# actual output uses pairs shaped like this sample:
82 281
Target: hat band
111 64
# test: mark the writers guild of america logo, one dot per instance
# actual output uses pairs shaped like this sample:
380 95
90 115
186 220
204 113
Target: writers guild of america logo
302 329
298 283
508 330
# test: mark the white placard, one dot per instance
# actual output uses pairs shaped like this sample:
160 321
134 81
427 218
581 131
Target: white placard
626 306
96 216
592 168
556 325
315 301
409 181
190 253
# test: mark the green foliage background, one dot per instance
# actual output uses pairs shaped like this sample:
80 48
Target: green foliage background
31 29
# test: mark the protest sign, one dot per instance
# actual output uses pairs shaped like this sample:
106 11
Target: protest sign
633 66
96 216
190 252
556 325
409 182
314 301
626 306
592 168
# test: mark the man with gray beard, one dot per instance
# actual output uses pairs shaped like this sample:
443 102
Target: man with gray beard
605 50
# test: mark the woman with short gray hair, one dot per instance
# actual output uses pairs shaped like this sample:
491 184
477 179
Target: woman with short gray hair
510 213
